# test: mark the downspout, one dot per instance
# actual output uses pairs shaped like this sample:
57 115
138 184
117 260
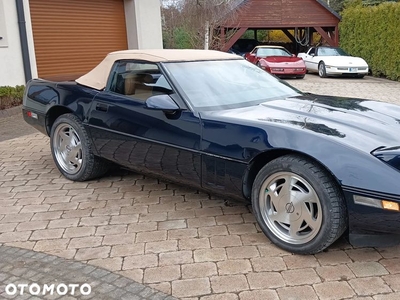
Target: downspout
24 39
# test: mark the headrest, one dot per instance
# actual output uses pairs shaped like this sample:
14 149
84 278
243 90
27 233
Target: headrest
145 78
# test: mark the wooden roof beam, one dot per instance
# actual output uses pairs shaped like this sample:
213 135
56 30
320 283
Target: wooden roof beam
289 35
233 39
325 36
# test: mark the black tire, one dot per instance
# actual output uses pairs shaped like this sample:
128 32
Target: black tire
321 69
82 164
258 64
329 210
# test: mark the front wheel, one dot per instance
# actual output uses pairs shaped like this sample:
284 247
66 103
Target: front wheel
298 205
322 70
72 150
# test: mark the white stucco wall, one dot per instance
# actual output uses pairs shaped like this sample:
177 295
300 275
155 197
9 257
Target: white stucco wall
29 37
11 65
143 23
11 62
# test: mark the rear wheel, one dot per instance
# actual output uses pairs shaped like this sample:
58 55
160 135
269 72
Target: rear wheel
72 150
298 205
322 70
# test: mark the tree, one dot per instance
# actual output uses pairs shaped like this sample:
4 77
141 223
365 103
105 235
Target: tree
186 24
337 5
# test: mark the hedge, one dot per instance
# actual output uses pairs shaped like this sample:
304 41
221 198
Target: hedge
11 96
372 32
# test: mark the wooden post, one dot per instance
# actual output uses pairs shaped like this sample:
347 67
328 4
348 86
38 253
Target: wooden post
336 37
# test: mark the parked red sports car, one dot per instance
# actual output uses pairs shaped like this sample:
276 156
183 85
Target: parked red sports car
277 60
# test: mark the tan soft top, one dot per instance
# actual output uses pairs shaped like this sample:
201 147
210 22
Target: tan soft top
97 78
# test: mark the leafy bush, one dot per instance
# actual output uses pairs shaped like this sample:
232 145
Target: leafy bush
261 35
178 38
11 96
279 36
372 33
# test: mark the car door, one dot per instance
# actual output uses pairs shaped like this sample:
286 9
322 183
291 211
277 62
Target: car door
251 56
314 60
309 60
125 131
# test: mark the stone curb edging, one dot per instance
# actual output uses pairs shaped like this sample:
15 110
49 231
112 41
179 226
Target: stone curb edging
10 111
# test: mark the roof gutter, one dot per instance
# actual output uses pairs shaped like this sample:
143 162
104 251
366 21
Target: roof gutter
24 39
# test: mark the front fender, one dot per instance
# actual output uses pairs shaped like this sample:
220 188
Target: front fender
353 168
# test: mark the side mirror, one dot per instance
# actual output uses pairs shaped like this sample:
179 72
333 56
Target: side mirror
161 102
293 55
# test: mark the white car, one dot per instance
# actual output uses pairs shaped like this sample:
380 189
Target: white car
333 61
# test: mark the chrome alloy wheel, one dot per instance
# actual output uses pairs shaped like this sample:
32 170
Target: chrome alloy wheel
290 208
67 148
321 70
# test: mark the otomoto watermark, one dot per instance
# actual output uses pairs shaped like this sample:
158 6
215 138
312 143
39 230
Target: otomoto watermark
35 289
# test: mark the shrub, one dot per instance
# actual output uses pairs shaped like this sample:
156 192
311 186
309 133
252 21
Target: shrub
372 33
178 38
11 96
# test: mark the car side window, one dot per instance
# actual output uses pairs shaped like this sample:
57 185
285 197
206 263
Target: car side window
312 51
138 80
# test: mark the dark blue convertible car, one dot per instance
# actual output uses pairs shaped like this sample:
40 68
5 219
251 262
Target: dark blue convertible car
314 167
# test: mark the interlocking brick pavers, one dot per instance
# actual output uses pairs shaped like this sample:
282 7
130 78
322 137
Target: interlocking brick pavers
21 266
173 238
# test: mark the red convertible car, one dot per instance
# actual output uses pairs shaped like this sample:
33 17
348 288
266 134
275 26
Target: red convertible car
277 60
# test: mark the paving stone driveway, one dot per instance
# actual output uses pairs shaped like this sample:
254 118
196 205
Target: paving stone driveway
176 239
50 277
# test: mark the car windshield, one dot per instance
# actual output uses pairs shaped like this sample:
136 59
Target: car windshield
331 52
225 84
263 52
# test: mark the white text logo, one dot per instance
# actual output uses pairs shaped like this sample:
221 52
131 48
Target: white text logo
35 289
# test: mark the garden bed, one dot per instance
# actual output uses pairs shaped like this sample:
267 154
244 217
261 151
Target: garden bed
11 96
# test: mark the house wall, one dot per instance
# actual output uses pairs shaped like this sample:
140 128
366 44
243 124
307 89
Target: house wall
31 44
143 23
11 63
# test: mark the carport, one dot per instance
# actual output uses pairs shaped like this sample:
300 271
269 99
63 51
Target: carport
304 17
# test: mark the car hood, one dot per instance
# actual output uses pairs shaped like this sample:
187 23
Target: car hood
283 59
362 124
344 61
